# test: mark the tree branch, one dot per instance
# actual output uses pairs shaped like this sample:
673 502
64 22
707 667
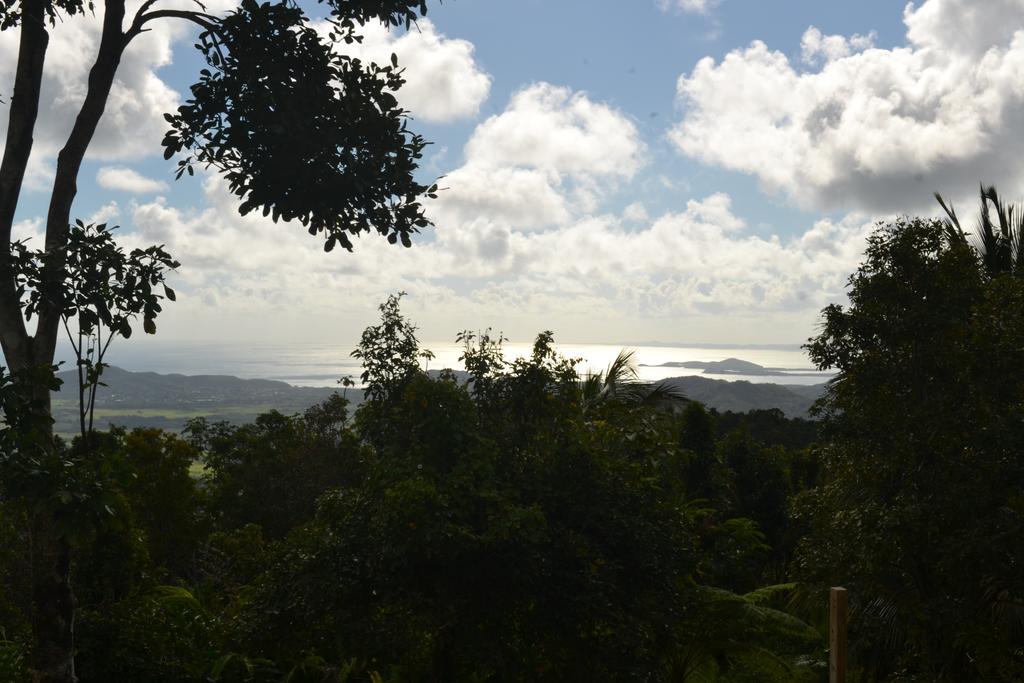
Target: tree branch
103 346
142 17
136 27
17 149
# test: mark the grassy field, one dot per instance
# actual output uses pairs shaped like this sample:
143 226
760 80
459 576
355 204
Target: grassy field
146 399
170 413
173 419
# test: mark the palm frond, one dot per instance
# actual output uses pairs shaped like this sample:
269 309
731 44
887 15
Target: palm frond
622 370
621 382
662 395
990 241
954 233
999 232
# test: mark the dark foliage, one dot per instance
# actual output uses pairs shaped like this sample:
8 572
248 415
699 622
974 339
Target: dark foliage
299 130
920 514
270 472
508 529
770 427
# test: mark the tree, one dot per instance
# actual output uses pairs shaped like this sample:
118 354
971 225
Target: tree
271 472
921 466
105 290
300 131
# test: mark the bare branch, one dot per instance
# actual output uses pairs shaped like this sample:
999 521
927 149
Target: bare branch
201 19
136 27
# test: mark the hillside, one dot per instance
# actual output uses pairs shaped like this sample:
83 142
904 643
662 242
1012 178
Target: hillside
741 396
150 399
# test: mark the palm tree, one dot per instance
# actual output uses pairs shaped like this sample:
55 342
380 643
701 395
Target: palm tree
1000 245
621 382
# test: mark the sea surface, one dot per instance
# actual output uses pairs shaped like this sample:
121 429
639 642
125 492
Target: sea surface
322 365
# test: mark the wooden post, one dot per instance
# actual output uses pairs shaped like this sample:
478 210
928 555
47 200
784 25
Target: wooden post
837 616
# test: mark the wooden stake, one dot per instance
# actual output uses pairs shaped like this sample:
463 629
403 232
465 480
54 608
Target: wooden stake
837 616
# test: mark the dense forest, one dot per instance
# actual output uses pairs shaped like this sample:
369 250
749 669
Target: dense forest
518 521
535 524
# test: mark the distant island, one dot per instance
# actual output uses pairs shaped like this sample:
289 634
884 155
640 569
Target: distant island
167 401
736 366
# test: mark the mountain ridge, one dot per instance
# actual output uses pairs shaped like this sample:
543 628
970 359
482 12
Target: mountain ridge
168 400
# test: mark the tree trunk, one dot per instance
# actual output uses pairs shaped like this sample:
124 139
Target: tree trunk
65 182
24 110
53 601
53 604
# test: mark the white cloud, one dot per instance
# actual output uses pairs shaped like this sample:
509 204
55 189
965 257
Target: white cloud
525 197
815 46
443 80
636 212
523 241
556 129
691 6
550 155
128 180
870 129
638 276
105 214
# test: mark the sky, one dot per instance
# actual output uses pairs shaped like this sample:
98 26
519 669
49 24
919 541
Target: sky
675 171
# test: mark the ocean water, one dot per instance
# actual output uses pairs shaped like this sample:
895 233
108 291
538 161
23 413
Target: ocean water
321 365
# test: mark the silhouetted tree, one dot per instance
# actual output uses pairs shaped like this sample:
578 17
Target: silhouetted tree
921 462
300 131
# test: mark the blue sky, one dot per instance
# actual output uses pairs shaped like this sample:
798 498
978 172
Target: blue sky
674 170
629 55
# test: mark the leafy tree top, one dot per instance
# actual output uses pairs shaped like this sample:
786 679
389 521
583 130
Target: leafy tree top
300 131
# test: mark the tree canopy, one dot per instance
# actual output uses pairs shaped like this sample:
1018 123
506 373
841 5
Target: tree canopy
920 513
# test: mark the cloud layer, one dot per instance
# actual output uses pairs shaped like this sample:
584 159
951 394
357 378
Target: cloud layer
868 128
534 228
657 278
521 243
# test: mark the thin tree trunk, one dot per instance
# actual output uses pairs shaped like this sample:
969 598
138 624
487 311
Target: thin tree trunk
65 183
21 123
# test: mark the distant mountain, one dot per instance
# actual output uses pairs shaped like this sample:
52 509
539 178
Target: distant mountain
152 390
741 396
735 366
150 399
